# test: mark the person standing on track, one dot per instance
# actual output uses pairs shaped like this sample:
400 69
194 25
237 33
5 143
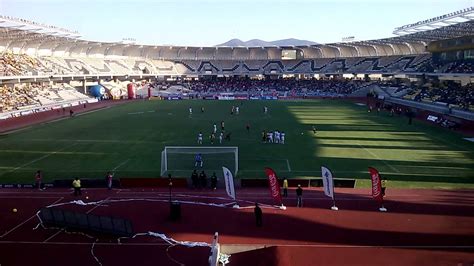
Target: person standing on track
195 179
38 179
214 181
299 195
285 187
108 180
258 215
76 184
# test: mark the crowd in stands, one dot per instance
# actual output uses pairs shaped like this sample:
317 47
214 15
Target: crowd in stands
36 96
14 98
463 67
12 64
448 92
16 64
299 87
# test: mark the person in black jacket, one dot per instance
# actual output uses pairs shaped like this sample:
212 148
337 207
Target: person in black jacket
258 215
195 179
299 195
214 181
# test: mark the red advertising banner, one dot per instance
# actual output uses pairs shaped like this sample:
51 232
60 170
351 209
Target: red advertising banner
273 184
376 184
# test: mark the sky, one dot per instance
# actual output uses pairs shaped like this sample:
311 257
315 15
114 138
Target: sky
211 22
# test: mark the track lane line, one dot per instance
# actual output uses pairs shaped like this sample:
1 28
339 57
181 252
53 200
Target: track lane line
27 220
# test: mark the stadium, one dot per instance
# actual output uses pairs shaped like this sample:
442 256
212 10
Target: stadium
132 122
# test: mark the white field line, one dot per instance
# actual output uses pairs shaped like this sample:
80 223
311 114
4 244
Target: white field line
14 228
96 206
288 165
39 159
121 164
376 156
55 234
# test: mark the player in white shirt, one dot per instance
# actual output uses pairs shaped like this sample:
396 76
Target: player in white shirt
277 136
265 110
221 136
190 111
215 128
270 137
200 138
282 137
237 110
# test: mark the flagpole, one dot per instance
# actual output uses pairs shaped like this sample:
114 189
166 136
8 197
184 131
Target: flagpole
382 209
334 208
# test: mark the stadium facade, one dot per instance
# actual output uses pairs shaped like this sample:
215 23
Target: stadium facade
58 54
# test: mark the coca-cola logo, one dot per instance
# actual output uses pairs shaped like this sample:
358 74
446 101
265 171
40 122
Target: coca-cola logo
375 185
273 185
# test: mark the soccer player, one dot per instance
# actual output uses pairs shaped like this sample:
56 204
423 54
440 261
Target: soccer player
198 160
270 137
265 110
215 128
190 111
200 138
314 130
212 137
237 110
221 136
222 125
277 136
202 109
282 137
248 127
264 136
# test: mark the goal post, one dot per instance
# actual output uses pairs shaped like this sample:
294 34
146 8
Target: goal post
180 160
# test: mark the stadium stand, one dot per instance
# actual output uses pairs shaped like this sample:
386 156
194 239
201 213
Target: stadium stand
40 76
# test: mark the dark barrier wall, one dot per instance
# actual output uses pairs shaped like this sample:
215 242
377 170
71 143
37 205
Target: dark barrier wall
86 222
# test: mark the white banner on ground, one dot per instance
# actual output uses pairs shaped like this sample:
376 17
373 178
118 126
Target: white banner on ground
327 182
229 182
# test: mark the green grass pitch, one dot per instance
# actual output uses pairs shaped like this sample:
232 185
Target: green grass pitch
129 138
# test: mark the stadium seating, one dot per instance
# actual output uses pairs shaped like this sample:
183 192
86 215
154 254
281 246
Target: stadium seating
35 97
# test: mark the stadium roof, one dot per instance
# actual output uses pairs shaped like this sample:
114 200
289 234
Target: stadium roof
453 18
21 35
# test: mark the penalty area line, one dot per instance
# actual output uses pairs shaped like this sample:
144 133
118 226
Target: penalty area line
121 164
380 159
288 165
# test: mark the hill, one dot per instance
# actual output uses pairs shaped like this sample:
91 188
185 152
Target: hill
258 42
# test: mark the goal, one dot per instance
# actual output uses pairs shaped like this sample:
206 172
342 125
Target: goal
179 161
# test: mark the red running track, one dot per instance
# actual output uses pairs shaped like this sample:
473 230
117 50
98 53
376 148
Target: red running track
421 227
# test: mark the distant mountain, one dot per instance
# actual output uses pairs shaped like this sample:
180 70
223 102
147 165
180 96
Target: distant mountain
257 42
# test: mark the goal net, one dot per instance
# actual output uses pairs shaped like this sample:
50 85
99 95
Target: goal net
180 161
